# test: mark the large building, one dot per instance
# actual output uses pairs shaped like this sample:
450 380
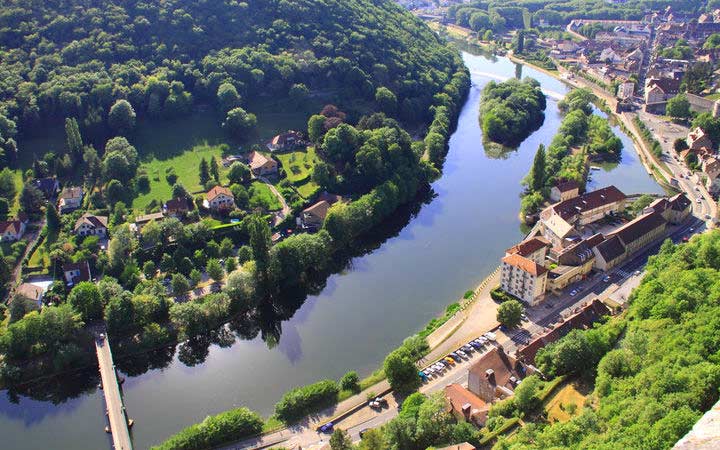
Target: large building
496 375
628 239
220 198
523 274
561 221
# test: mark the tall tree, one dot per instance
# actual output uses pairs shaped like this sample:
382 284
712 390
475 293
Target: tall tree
8 189
509 313
53 219
85 298
31 200
121 117
537 173
340 440
204 172
73 138
260 243
214 169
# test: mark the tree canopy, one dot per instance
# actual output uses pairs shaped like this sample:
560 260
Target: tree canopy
511 110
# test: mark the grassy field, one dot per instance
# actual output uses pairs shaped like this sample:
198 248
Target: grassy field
308 189
185 166
262 197
559 406
299 165
279 115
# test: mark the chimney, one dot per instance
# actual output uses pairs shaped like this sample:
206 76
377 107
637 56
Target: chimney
466 409
490 376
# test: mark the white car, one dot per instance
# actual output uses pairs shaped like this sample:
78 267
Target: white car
573 293
461 353
490 336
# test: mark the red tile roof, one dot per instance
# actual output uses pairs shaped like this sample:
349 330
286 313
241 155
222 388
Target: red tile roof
588 201
567 186
524 264
529 246
217 190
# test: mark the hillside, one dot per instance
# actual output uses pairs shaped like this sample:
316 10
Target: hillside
75 58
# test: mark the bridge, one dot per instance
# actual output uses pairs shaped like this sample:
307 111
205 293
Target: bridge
119 423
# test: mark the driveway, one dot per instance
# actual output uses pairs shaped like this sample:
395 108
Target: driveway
285 211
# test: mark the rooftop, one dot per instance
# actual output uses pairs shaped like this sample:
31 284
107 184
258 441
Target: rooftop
92 220
524 264
588 201
218 190
639 227
611 248
528 247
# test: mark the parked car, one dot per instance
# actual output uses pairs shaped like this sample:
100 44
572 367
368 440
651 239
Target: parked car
606 278
455 357
327 428
381 401
467 348
476 345
461 353
490 336
573 293
449 360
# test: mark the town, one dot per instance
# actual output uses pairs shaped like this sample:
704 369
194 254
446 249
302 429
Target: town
500 222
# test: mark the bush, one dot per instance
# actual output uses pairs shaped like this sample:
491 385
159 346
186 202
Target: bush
215 430
350 382
301 401
501 296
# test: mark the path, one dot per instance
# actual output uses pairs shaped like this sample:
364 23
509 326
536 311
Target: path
17 271
285 211
113 398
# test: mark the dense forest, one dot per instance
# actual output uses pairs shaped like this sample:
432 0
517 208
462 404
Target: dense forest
652 384
510 111
498 16
78 58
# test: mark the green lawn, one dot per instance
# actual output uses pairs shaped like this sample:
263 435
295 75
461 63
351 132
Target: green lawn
40 257
15 204
262 197
186 167
308 189
299 165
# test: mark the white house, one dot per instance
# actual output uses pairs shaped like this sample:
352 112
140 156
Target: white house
219 199
91 225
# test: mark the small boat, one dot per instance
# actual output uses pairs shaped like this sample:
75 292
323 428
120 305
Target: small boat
594 168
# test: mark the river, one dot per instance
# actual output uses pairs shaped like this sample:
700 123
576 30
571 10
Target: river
445 248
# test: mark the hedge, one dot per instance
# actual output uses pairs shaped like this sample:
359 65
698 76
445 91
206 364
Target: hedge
501 296
215 430
301 401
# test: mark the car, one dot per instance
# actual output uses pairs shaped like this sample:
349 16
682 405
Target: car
439 368
467 348
685 239
449 360
375 405
707 217
483 340
381 401
427 372
606 278
697 188
327 428
455 357
637 272
692 229
461 353
523 317
476 345
573 293
490 336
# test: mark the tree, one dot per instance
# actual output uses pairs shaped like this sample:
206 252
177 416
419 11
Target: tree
149 270
298 93
121 117
31 200
204 172
386 100
240 287
678 107
52 219
434 422
179 284
122 243
230 264
350 382
526 394
239 123
520 42
238 173
152 234
215 270
401 372
228 97
73 139
195 277
260 243
226 247
8 190
510 313
114 191
340 440
316 128
680 144
85 299
179 191
214 169
537 173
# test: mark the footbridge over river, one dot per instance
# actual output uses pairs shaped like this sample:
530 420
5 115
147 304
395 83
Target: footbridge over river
119 424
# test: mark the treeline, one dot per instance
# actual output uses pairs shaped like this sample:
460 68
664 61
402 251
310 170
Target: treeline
511 110
500 16
662 375
79 58
582 136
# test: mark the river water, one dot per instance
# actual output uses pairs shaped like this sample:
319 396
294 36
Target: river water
445 248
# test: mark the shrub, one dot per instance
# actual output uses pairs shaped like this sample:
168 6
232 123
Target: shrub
305 400
215 430
350 382
501 296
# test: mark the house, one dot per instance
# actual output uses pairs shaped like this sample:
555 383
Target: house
496 375
48 186
581 319
466 406
31 292
534 249
70 199
262 165
141 221
659 90
674 209
564 191
76 272
608 55
609 253
626 90
312 218
573 263
697 139
711 168
284 141
654 94
91 225
219 199
177 207
523 278
12 230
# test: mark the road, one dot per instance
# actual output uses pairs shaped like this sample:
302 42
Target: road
113 399
286 210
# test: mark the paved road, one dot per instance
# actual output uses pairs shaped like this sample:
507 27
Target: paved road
113 399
